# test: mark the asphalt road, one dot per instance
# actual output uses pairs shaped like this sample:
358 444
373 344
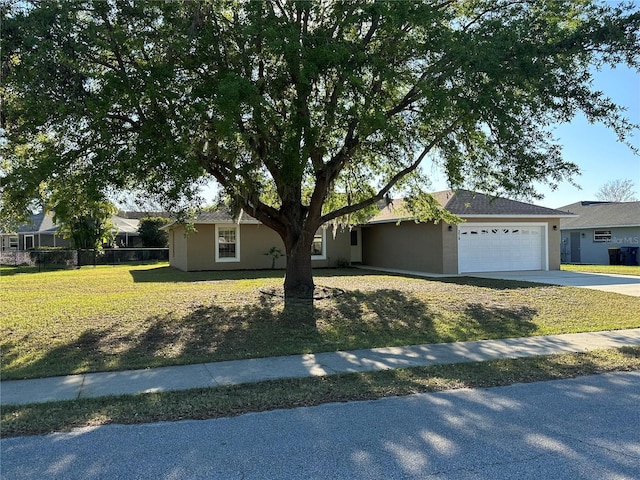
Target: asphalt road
585 428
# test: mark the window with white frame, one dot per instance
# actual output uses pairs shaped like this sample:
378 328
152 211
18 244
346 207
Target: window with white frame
227 243
602 235
319 245
13 243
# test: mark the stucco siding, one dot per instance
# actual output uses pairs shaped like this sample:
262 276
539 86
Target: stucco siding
433 247
408 246
338 249
554 244
178 248
197 251
595 252
449 249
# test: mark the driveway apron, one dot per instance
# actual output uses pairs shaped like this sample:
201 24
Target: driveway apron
622 284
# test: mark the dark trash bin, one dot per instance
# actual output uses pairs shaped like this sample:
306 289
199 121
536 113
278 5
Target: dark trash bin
615 257
629 255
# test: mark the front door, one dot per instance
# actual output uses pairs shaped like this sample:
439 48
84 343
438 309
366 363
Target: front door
356 245
575 247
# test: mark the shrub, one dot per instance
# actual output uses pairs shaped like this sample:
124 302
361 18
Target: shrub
150 233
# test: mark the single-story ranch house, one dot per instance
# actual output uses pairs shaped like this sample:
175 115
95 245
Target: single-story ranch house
222 243
497 234
599 227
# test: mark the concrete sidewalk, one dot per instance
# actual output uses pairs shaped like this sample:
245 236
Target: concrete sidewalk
20 392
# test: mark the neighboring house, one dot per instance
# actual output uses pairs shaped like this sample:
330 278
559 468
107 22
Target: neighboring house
598 227
497 235
132 214
41 232
127 229
221 243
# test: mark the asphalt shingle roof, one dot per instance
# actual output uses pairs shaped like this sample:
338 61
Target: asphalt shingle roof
465 203
39 222
602 214
220 216
43 223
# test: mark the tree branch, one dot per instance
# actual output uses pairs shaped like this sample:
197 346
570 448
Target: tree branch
121 64
393 181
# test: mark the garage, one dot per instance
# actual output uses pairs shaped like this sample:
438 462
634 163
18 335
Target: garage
502 247
495 234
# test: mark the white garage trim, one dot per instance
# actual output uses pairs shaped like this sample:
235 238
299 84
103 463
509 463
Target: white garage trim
501 246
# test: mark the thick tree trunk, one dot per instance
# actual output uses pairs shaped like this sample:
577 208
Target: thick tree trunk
298 282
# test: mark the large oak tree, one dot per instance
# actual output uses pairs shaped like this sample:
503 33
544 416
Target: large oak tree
305 112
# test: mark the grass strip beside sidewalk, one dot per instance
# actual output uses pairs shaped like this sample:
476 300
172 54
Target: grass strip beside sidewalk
290 393
606 269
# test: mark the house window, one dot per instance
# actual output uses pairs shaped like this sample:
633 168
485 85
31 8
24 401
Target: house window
319 245
13 243
602 235
228 243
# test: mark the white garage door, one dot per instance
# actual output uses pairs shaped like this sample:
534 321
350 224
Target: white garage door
496 248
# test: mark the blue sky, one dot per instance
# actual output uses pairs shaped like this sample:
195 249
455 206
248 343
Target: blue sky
594 147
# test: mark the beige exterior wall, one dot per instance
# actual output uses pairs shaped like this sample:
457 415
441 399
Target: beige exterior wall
197 251
554 244
407 246
434 248
450 249
338 249
178 247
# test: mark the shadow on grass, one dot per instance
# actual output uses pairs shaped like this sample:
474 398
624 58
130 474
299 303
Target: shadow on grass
170 274
6 271
68 358
289 393
268 327
207 333
493 373
493 284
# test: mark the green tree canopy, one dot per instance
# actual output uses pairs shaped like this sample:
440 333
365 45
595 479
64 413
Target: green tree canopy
305 112
83 219
150 233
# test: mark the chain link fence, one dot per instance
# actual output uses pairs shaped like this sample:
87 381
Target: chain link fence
61 259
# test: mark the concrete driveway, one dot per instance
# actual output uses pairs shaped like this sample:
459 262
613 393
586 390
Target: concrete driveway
623 284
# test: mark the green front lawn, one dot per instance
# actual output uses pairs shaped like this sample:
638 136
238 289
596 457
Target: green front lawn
613 269
124 317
